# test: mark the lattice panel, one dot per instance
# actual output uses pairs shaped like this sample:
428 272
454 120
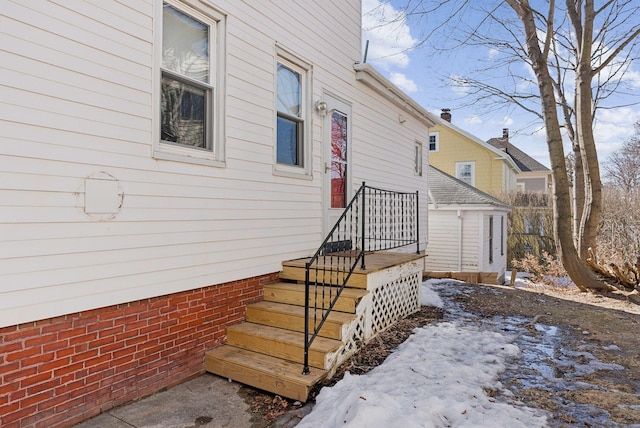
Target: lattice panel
394 301
356 338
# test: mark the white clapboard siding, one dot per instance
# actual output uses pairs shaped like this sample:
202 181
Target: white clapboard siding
444 243
76 102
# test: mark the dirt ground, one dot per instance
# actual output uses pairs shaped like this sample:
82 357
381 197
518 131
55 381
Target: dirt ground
590 327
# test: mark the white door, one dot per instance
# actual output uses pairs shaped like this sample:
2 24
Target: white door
337 188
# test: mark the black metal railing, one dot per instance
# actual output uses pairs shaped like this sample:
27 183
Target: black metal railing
374 220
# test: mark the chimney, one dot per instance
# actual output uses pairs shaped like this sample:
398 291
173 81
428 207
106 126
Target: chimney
505 134
446 114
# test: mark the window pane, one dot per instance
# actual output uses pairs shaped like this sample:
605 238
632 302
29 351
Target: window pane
338 136
338 159
183 113
288 142
289 91
185 45
338 185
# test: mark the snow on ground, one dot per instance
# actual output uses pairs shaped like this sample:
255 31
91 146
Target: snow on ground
440 377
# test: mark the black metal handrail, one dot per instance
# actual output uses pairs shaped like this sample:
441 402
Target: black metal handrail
374 220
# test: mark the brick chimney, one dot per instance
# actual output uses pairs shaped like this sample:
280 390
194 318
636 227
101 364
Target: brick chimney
505 134
446 114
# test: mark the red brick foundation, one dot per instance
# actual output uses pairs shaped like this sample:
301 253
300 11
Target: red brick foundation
61 371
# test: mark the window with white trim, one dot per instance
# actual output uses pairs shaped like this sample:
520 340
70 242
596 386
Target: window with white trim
293 139
189 120
434 141
418 158
466 171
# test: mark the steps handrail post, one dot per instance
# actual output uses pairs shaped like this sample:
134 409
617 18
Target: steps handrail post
417 223
363 221
305 370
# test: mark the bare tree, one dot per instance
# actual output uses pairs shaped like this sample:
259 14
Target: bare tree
622 168
578 55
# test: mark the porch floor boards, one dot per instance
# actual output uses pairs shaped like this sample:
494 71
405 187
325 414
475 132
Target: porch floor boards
374 261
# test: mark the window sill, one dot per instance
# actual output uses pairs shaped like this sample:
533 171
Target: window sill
292 172
182 155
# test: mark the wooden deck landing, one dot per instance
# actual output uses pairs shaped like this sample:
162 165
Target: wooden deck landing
374 262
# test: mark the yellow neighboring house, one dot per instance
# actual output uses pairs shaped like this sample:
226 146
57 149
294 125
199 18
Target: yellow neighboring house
469 159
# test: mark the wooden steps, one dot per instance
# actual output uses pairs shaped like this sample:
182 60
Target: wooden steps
291 317
263 371
281 343
267 351
293 293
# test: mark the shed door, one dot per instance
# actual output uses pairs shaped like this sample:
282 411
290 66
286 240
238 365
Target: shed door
337 157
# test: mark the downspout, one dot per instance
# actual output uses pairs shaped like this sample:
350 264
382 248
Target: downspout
459 241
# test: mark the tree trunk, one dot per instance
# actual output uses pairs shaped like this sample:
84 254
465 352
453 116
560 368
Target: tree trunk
592 204
578 191
579 273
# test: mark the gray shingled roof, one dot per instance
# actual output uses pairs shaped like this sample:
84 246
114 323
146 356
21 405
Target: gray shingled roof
524 161
447 190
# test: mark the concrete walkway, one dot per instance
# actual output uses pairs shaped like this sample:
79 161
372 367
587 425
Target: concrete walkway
207 401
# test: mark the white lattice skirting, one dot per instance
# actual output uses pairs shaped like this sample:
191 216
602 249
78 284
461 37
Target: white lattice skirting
393 294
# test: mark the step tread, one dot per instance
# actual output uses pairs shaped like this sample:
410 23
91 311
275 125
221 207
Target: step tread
272 374
295 310
289 337
292 286
266 363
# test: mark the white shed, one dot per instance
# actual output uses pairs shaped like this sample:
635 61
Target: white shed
467 228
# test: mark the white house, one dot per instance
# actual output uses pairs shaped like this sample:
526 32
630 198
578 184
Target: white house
467 229
158 162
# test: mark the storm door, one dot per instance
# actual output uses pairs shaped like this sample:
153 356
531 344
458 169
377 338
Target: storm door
337 159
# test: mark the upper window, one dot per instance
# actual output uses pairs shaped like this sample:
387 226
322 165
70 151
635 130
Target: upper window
434 141
292 145
466 172
189 121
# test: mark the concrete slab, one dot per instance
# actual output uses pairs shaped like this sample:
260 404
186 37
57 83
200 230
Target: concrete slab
207 401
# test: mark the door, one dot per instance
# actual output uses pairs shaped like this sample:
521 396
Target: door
337 189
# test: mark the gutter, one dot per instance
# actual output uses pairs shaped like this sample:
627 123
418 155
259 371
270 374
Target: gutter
368 75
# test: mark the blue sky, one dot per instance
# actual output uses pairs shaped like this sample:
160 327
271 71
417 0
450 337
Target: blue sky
422 74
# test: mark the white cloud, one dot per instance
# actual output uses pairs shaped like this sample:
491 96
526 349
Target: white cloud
507 121
612 128
403 82
460 85
632 79
388 33
492 53
473 119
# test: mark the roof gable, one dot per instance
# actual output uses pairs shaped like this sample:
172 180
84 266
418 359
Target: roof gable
472 138
525 162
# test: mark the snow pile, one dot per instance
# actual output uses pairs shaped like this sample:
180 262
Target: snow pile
429 296
438 377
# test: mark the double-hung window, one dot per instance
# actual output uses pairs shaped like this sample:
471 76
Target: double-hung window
433 141
292 145
466 171
189 120
290 126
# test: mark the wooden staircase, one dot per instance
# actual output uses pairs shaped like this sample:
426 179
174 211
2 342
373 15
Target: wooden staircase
267 350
